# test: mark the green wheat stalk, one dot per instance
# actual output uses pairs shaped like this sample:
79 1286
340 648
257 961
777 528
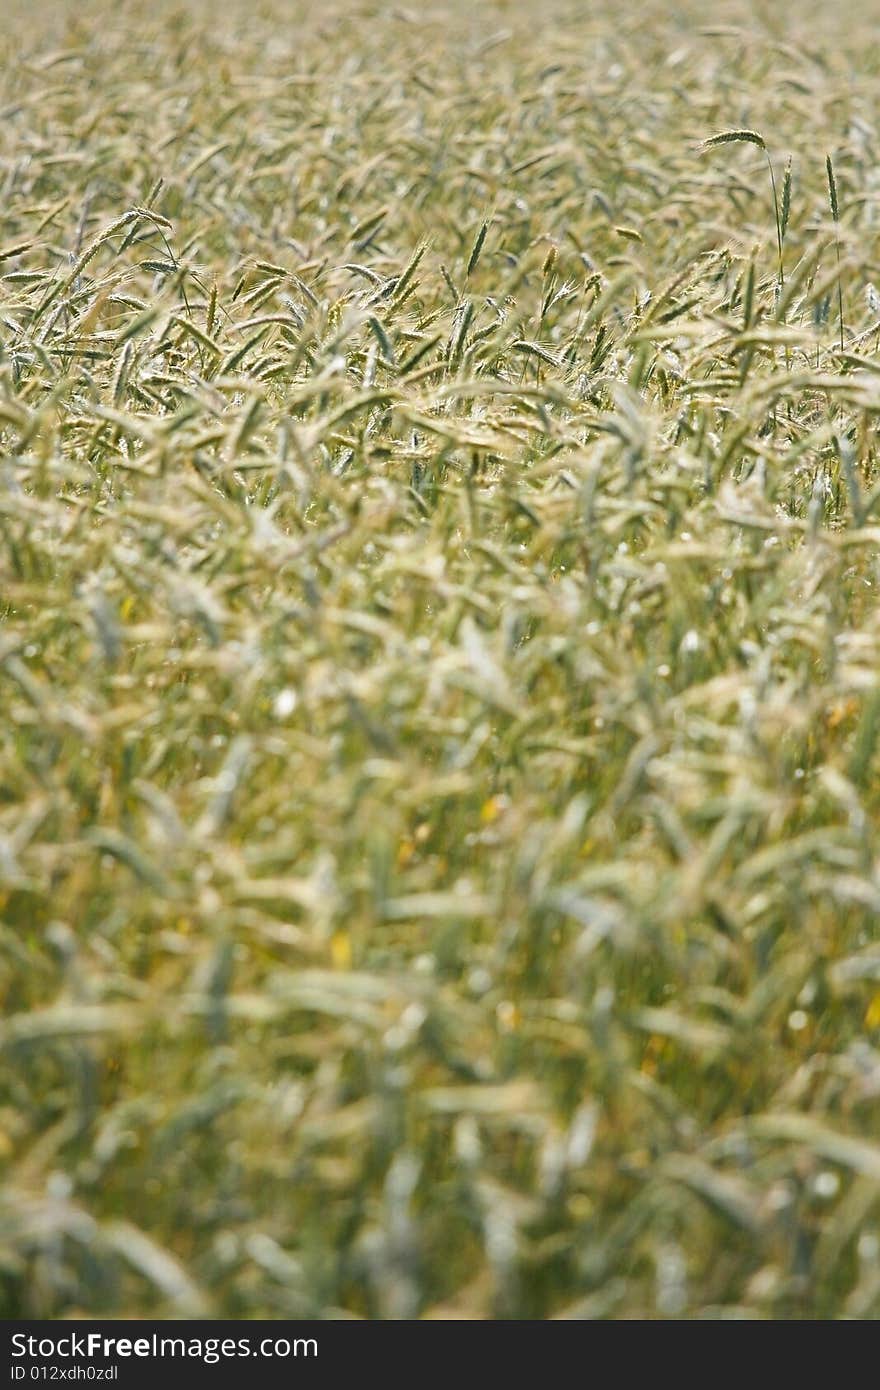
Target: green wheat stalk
781 209
835 213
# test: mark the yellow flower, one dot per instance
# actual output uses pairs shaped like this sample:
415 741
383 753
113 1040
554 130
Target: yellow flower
340 950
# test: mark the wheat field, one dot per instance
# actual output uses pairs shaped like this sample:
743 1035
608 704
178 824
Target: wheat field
439 660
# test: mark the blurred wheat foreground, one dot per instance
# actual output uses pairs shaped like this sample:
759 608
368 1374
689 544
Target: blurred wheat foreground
439 660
